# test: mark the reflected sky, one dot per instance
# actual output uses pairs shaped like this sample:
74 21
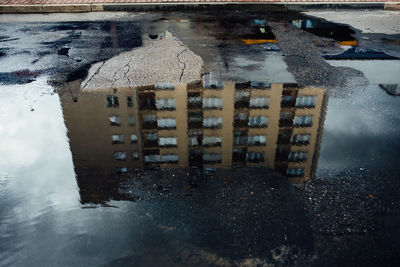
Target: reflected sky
361 131
50 143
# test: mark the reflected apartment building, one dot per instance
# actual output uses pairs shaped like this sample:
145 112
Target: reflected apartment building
205 125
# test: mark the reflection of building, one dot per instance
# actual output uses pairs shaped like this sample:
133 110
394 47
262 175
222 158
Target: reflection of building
216 126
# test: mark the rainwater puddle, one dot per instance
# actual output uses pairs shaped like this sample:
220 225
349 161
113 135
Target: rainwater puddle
187 140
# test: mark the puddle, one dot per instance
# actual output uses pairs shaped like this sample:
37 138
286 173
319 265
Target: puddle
205 139
359 54
341 33
232 125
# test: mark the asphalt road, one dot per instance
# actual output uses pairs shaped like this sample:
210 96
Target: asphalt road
347 215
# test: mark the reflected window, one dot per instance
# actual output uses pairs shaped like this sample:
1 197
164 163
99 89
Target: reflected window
295 172
165 86
166 123
165 104
242 99
196 157
297 156
112 101
306 101
284 137
133 138
194 141
258 121
239 137
149 121
286 118
147 101
129 101
241 119
239 155
300 139
117 138
212 158
115 120
195 119
259 102
135 155
254 156
195 138
131 120
168 141
194 100
121 170
212 81
256 140
119 155
152 158
281 153
169 158
287 98
303 121
150 139
212 141
259 85
212 103
213 122
253 84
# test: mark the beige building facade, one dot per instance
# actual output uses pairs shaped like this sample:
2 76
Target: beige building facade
276 126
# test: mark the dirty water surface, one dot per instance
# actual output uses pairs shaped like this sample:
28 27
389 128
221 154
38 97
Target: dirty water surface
198 139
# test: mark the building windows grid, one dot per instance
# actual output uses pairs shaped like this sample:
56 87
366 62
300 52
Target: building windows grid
259 102
120 155
129 101
300 139
133 138
121 170
168 141
112 101
212 122
155 158
254 140
258 121
115 120
131 120
194 102
209 141
303 121
165 104
306 101
255 157
295 172
166 123
117 138
296 156
212 158
212 103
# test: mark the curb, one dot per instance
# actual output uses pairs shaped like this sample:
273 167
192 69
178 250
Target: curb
277 6
59 8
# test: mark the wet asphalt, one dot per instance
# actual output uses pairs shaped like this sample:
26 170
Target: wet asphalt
347 215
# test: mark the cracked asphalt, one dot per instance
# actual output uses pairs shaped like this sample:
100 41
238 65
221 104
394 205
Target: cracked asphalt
161 60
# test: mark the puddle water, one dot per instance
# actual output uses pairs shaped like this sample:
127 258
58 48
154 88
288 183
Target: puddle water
237 124
341 33
198 147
